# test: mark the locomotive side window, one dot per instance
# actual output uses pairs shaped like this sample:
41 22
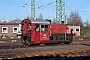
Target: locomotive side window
29 26
22 27
44 27
36 27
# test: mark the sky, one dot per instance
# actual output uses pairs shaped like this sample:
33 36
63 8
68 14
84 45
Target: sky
12 9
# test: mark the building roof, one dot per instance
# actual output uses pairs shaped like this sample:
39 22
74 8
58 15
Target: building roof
9 23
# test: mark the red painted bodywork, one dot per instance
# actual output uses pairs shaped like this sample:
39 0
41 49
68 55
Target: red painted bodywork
36 36
58 28
25 28
39 36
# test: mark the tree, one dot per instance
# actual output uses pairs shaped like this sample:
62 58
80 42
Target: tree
54 21
87 24
40 17
76 20
17 20
87 27
28 17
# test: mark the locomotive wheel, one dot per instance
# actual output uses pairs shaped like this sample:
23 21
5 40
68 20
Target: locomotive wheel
25 40
22 40
66 42
28 41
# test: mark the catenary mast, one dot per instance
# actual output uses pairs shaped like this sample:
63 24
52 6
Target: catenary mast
33 9
60 10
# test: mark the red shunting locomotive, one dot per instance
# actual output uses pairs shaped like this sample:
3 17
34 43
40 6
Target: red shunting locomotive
42 31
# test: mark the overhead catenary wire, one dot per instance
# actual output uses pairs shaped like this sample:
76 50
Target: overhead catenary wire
14 2
46 5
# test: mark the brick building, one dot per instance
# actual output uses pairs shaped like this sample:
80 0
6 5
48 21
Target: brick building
9 29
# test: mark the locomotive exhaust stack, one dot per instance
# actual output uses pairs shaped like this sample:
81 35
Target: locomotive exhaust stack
62 22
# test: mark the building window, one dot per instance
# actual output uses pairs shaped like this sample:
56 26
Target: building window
77 30
15 29
4 29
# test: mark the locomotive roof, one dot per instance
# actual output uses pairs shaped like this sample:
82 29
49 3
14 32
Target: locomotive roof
40 21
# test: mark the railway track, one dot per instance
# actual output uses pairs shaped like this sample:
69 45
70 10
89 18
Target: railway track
11 45
18 50
20 45
62 51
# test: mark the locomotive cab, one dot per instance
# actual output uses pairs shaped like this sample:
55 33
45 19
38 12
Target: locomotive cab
35 31
26 31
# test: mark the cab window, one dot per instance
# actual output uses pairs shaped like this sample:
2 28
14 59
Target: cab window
36 27
44 28
29 26
22 27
